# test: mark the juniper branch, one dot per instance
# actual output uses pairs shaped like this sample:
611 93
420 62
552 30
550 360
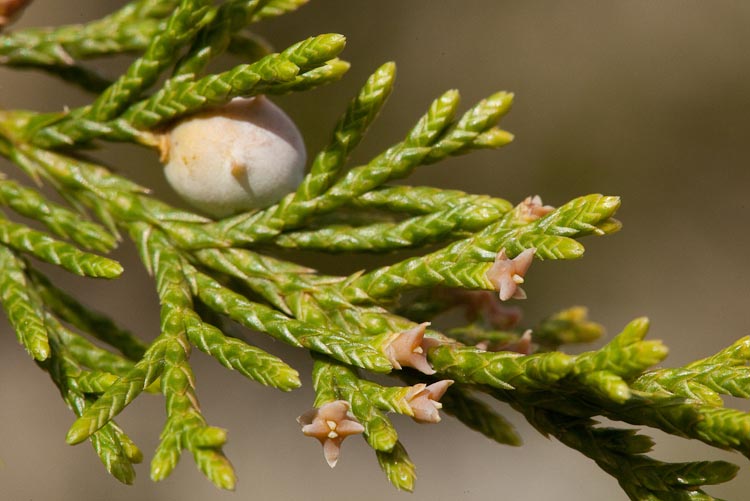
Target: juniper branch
235 269
129 29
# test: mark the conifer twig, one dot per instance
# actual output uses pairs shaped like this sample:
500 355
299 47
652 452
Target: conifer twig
383 319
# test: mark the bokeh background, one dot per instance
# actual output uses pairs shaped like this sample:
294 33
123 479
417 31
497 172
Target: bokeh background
647 100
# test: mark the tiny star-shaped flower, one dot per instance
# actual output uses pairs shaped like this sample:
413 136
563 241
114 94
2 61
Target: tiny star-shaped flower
522 345
330 424
500 316
423 400
408 348
532 208
507 274
485 304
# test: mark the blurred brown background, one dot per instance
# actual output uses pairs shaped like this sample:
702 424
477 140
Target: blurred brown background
648 100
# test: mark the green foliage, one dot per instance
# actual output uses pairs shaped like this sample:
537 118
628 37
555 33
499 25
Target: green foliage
333 381
206 270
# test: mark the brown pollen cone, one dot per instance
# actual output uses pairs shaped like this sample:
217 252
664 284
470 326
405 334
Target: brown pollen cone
408 348
507 274
424 400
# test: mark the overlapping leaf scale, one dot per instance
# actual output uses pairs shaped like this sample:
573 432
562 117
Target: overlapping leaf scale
274 8
46 248
61 221
95 382
328 72
190 96
474 122
89 355
348 132
24 311
619 452
215 37
235 354
130 28
479 416
119 395
725 373
426 200
380 237
260 317
502 370
551 234
84 124
397 161
115 449
398 467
